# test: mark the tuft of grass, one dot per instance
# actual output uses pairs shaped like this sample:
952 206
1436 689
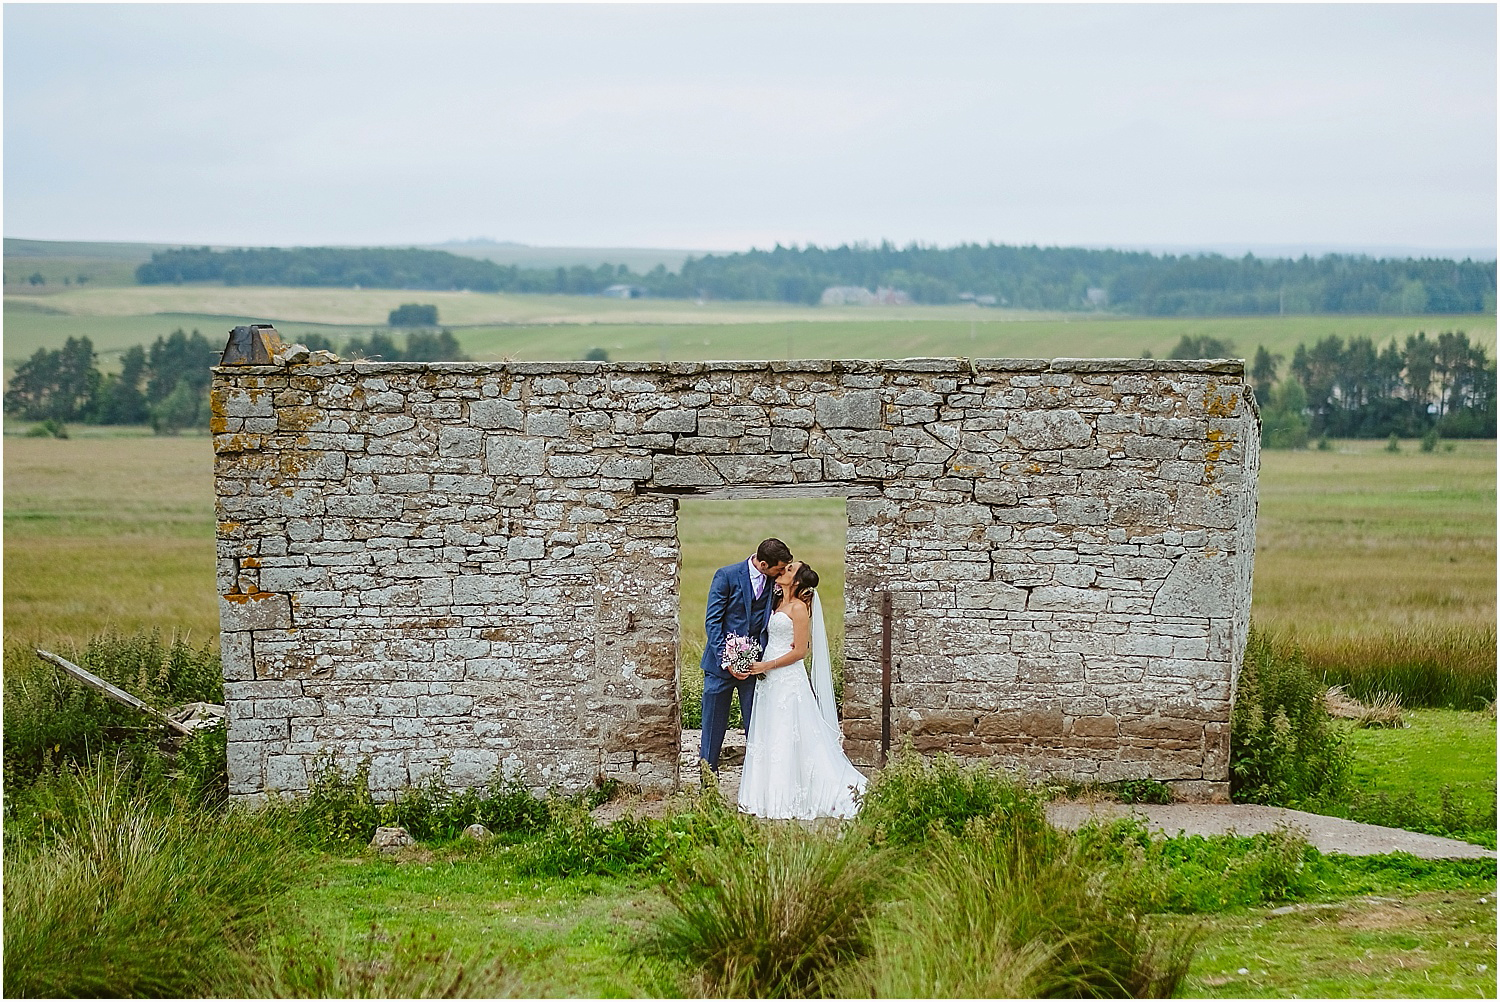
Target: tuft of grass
915 796
377 965
776 918
1383 709
996 913
113 897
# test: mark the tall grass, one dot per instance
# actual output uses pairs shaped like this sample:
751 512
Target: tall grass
995 913
1446 667
113 896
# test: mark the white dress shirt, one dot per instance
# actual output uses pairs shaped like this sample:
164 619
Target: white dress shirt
757 579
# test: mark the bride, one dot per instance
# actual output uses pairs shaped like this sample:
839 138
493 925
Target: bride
794 758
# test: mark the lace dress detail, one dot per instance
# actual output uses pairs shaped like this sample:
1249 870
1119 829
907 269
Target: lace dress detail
794 759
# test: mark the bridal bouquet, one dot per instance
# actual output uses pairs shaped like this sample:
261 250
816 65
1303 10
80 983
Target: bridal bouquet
740 653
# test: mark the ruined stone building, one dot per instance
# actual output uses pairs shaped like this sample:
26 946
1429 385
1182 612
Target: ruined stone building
464 567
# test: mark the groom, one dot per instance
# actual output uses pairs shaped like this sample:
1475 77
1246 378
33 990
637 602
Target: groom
740 602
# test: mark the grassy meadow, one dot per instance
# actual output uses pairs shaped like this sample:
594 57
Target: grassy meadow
493 326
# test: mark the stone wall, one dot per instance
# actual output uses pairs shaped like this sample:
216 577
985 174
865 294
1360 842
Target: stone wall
464 567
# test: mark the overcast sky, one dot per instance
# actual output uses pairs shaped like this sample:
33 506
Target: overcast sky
724 127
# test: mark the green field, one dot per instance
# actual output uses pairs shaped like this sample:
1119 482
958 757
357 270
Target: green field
524 327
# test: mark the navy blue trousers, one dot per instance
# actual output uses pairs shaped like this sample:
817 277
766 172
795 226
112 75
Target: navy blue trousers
717 695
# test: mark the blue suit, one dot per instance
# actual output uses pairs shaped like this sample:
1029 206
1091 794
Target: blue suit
732 609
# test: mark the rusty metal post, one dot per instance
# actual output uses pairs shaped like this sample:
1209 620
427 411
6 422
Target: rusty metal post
885 677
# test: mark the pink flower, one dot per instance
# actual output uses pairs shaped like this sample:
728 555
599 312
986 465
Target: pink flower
739 653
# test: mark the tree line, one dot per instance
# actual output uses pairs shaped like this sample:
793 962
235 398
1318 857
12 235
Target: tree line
166 385
1049 278
1428 387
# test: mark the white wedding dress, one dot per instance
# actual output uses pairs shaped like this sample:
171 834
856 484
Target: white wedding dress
794 757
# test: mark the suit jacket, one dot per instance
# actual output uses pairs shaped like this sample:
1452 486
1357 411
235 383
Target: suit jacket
730 598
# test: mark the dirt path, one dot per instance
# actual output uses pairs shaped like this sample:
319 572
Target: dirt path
1326 834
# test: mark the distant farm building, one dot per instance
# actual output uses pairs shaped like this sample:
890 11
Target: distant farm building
856 295
624 292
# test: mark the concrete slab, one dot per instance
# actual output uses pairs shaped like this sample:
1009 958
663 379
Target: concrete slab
1326 834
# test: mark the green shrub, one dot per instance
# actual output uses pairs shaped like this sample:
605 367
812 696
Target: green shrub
777 917
574 843
914 796
1283 747
117 894
51 719
1430 440
339 811
994 913
1141 791
202 767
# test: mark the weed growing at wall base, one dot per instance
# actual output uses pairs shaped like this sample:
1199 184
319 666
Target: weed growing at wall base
339 811
914 796
1283 748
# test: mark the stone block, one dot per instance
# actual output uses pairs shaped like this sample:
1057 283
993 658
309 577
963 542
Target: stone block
1096 727
494 415
627 468
1050 429
460 443
1060 598
256 611
996 492
525 548
995 595
473 589
286 773
684 471
679 421
854 409
236 654
570 465
1199 585
514 457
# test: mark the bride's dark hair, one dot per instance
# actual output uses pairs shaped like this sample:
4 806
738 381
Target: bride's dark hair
804 583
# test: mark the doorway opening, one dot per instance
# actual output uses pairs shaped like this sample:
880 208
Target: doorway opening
716 533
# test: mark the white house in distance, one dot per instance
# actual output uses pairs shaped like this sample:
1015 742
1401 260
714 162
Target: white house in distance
624 292
856 295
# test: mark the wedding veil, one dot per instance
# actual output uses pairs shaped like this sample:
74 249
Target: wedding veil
822 666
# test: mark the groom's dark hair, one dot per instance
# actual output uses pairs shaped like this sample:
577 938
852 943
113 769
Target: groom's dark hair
773 552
